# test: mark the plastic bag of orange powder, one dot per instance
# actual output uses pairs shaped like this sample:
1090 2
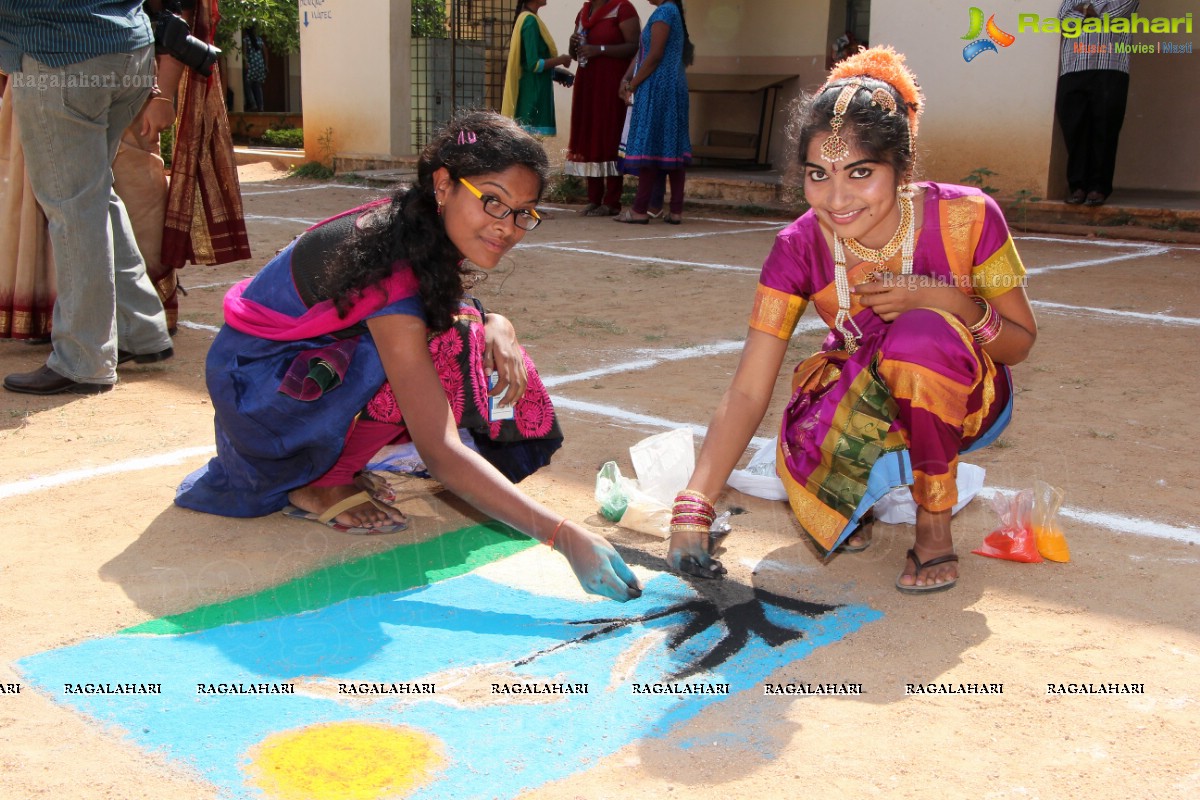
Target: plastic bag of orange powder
1051 542
1014 539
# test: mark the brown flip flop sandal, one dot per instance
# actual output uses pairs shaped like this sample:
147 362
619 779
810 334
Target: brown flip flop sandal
326 518
928 588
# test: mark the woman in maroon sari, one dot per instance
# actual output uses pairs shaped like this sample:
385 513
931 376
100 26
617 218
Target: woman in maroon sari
605 39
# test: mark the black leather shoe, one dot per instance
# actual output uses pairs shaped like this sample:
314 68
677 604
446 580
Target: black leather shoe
1076 197
124 356
47 381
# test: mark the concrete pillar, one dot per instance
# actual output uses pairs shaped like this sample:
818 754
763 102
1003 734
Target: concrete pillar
355 84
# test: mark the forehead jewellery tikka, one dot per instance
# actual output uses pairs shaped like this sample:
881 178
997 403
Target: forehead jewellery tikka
835 148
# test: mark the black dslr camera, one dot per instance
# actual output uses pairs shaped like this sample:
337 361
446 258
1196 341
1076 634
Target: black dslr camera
173 37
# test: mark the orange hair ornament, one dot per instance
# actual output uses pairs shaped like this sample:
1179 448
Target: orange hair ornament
883 64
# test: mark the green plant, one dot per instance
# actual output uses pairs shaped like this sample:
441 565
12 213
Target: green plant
1021 203
565 189
978 177
284 137
277 22
1120 219
311 169
166 145
322 167
755 210
428 19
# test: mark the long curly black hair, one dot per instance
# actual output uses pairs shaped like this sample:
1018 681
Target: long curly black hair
410 229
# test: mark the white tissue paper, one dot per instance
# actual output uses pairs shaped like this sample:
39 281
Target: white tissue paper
898 508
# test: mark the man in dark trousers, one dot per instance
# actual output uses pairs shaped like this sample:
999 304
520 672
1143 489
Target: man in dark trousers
81 72
1093 83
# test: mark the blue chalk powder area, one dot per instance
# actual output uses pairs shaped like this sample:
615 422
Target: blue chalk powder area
498 748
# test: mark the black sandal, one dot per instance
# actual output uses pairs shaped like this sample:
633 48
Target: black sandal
845 547
928 588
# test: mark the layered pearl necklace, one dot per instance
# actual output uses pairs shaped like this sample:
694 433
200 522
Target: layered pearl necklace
902 241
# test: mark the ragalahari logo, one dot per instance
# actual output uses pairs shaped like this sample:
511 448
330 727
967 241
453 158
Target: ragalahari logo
995 36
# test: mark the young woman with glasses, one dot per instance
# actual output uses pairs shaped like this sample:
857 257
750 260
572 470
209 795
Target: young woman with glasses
358 335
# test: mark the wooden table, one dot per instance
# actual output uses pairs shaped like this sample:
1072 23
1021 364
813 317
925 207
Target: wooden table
728 145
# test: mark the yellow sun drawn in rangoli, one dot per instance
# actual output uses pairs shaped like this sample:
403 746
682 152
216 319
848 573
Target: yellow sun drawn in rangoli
344 761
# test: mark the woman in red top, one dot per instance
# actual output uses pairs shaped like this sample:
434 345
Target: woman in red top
605 39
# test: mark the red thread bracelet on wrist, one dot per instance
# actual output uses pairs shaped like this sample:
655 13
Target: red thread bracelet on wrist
557 528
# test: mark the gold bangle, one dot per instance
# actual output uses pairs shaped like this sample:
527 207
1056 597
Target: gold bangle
697 495
689 529
987 310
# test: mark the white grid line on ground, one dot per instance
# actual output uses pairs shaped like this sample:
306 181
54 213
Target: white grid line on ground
297 220
1140 251
648 259
218 285
1124 316
289 189
198 326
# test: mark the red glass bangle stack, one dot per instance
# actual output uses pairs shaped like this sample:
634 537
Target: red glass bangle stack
987 329
693 512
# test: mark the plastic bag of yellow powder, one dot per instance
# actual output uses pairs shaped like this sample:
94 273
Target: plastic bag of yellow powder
1051 542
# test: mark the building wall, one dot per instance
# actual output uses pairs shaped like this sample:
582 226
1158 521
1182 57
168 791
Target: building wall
355 60
768 37
757 37
1160 141
996 112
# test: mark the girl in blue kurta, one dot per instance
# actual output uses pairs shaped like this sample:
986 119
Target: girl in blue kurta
656 85
356 336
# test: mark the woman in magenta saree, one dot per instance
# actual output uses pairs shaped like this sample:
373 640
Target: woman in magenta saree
923 292
358 335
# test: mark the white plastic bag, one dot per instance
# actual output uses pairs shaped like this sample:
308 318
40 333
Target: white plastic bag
624 503
759 478
664 464
898 507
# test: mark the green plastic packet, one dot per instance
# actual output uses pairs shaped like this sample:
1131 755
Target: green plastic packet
609 493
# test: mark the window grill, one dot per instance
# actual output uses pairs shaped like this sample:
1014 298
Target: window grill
466 39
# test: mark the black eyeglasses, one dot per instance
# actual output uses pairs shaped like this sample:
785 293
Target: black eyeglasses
525 219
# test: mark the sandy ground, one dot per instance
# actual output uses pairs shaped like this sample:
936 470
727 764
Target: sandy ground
1104 409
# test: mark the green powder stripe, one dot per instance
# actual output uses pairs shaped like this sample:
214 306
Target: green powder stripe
405 567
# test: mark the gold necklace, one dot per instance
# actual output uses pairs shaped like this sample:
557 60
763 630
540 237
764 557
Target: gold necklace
905 237
885 253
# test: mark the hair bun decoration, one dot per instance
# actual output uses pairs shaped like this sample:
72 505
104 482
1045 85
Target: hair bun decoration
883 98
884 64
